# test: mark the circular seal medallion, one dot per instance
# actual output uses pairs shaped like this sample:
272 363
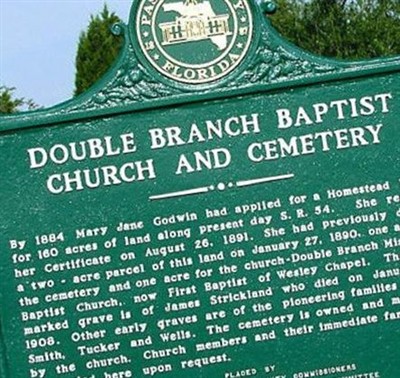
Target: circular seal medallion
194 41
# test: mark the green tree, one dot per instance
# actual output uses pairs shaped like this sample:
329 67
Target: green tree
347 29
10 104
97 50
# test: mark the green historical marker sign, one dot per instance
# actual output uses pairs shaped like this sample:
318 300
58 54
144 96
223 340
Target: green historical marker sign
221 204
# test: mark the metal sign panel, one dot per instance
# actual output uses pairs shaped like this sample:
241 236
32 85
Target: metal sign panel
221 204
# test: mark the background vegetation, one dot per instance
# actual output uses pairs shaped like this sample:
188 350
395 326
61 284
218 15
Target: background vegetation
344 29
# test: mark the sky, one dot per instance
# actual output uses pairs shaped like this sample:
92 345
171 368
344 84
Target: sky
38 43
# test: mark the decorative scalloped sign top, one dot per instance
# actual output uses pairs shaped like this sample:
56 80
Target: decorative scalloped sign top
180 51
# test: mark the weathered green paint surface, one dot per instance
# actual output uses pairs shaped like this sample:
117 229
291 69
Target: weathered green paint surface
246 226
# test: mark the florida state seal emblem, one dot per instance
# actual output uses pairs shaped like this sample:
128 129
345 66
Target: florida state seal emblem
194 41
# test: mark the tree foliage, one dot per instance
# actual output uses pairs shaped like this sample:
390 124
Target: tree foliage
347 29
10 104
97 50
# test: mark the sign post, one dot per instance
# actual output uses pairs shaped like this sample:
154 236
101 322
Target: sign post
220 204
